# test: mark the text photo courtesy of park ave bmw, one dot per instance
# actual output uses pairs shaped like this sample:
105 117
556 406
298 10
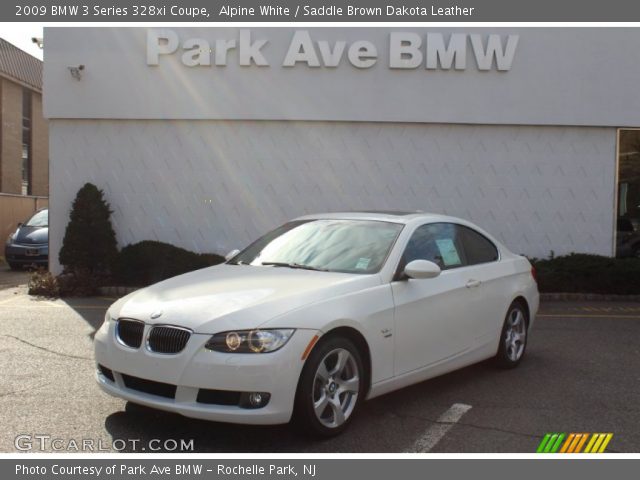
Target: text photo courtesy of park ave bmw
297 240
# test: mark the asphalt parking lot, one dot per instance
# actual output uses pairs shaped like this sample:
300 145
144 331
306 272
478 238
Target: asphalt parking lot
581 374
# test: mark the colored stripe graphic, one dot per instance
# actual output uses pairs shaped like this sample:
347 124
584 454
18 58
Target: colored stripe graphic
573 442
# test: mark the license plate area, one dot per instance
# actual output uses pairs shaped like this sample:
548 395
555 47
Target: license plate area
32 252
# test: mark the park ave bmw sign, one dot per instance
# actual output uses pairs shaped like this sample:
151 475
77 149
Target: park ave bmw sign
407 50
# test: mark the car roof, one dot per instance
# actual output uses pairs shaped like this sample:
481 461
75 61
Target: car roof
403 217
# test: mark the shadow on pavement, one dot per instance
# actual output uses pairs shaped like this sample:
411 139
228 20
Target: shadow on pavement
91 309
146 424
12 278
396 418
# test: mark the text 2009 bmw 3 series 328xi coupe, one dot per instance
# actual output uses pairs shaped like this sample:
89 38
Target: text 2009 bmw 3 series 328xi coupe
317 316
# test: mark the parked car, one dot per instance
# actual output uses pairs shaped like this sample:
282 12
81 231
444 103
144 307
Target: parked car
317 316
29 244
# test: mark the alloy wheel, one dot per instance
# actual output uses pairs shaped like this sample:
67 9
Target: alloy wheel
335 388
515 335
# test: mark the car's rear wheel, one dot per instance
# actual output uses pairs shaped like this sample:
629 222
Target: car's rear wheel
331 387
513 339
14 266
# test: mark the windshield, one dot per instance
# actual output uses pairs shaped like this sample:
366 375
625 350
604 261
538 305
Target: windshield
40 219
349 246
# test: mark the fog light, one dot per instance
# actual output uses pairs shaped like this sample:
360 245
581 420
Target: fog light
254 399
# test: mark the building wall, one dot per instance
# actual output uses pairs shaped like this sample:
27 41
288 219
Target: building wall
11 141
39 148
17 208
211 186
558 76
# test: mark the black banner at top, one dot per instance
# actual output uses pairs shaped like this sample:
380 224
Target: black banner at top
319 11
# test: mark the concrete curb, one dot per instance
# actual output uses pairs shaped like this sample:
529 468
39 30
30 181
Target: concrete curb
116 291
587 297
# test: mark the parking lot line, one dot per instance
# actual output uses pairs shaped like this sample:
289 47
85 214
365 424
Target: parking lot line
439 429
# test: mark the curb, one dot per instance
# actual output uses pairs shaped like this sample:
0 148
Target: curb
588 297
116 291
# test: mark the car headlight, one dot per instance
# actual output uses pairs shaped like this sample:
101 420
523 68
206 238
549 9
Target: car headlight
250 341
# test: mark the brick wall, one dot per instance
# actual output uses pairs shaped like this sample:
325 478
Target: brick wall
39 148
11 141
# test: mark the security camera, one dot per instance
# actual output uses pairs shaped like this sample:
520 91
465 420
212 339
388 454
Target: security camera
76 71
38 41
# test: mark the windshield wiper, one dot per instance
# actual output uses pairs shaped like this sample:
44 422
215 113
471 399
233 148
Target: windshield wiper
294 265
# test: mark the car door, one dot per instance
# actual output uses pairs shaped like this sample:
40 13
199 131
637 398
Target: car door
431 314
489 292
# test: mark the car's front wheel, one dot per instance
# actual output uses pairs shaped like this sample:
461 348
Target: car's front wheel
513 340
331 387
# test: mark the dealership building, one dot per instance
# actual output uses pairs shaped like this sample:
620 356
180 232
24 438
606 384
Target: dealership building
206 138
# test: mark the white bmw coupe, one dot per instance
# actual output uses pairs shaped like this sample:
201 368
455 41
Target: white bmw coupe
317 316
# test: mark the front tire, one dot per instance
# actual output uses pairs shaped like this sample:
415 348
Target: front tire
331 388
513 339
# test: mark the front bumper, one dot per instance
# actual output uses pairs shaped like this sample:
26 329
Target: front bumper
196 368
18 254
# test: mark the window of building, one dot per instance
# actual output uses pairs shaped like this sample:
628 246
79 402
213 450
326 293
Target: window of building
628 221
26 142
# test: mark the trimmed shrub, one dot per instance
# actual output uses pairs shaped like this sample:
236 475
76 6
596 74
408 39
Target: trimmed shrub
89 244
149 262
584 273
79 283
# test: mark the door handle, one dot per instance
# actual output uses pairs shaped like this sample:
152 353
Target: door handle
473 283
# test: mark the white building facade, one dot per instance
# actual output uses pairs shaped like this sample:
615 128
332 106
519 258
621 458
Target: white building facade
208 137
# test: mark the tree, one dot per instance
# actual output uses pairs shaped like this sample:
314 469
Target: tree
89 243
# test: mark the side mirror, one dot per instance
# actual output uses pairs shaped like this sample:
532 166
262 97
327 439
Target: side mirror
19 224
421 269
231 254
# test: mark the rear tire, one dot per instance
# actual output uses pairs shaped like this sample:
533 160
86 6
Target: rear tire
331 388
513 339
14 266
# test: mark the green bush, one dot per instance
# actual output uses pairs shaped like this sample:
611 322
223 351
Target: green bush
583 273
149 262
89 243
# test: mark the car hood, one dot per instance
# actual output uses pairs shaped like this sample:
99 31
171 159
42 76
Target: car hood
228 297
31 235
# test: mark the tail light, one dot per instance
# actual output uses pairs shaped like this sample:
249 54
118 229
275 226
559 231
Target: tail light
533 273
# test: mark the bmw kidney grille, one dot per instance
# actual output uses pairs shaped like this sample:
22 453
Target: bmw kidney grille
129 332
168 339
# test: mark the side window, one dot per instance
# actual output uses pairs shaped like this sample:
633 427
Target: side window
477 247
437 242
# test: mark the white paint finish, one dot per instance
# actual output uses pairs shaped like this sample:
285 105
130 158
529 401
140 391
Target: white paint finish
443 424
519 76
211 186
253 296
